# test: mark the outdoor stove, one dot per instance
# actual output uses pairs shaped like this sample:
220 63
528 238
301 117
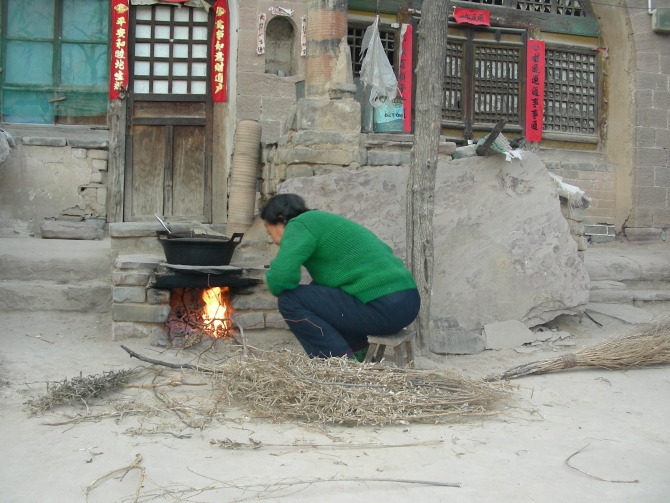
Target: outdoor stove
176 304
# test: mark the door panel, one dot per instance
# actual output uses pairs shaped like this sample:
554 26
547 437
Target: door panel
148 147
169 140
189 175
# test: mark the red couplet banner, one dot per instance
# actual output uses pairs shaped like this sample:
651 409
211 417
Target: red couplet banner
118 72
220 38
405 76
472 16
535 75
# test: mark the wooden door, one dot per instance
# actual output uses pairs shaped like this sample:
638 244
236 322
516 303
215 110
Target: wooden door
168 137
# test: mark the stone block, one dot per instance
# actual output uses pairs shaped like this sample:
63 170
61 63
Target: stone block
298 170
99 164
251 321
275 320
44 141
652 117
651 156
507 334
84 143
138 261
643 234
158 296
261 300
653 81
61 229
130 294
130 278
388 158
314 156
79 153
140 313
96 177
651 197
94 153
325 138
129 330
447 336
329 115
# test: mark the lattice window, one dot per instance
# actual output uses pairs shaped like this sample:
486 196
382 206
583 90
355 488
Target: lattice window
355 41
561 7
482 79
571 91
496 93
170 50
453 83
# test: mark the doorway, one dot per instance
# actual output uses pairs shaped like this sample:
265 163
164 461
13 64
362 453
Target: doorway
168 158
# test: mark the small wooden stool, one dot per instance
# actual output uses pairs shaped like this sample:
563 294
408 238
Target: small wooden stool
401 342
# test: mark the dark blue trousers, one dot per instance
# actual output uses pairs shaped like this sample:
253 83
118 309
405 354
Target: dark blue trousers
330 322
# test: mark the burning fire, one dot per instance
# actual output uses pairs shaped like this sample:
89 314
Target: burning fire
197 313
216 309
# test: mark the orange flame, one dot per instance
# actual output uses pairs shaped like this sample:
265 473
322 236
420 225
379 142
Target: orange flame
216 309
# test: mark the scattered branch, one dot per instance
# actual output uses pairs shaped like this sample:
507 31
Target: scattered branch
567 462
135 465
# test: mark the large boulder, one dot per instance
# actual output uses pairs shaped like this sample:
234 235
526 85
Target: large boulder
503 250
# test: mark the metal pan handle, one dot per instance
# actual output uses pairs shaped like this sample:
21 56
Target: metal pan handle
237 237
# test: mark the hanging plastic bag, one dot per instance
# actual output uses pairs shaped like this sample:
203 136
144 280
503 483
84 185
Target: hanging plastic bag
376 71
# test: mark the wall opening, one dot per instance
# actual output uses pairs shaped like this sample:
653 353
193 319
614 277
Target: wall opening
279 37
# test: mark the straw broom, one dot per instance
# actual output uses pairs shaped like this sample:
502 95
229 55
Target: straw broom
647 345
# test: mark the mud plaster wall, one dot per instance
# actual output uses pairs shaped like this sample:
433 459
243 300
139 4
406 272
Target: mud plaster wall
50 170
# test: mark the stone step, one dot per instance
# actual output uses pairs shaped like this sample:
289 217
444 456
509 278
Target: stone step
81 296
56 260
55 275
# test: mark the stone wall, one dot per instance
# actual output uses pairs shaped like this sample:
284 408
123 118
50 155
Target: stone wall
53 172
261 96
651 191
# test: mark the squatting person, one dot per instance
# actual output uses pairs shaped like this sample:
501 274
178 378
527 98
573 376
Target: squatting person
358 288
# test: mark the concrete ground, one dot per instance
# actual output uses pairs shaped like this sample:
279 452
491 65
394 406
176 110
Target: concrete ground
587 435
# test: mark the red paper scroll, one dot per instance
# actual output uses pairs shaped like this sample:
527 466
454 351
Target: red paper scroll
220 51
405 76
534 90
118 71
472 16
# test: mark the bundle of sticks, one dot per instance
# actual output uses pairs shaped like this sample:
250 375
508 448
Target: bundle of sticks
646 345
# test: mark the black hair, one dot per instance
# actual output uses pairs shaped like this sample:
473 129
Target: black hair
281 208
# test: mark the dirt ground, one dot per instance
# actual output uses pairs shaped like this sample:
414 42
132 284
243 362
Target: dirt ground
584 435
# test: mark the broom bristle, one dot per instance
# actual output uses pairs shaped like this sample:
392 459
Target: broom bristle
647 345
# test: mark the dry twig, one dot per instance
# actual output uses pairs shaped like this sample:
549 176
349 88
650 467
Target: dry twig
135 465
567 462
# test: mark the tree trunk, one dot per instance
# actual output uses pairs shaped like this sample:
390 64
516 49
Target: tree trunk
430 68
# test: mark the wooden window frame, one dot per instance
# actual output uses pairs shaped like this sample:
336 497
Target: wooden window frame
56 88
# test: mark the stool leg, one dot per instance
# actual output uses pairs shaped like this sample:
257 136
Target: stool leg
410 352
371 351
380 353
399 360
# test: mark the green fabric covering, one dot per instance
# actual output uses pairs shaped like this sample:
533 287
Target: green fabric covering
337 253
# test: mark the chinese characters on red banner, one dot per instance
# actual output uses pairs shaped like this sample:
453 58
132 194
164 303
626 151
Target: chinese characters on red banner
534 90
405 76
220 51
119 48
472 16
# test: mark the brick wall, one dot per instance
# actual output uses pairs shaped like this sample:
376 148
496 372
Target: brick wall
651 186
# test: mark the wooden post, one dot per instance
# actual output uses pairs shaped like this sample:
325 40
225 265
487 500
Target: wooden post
430 69
484 147
116 163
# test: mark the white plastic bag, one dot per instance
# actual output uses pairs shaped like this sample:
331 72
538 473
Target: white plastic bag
376 71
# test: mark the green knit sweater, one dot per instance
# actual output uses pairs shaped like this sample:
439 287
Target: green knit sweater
337 253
